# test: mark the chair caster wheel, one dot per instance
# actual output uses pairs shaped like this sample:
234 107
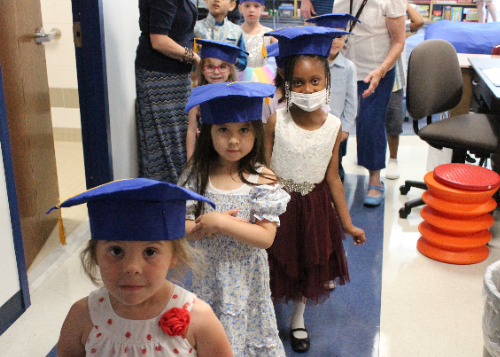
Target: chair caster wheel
404 189
403 213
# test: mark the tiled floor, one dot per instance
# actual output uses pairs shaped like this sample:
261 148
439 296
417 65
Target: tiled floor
427 308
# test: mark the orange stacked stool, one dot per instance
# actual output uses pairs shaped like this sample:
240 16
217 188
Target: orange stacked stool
457 217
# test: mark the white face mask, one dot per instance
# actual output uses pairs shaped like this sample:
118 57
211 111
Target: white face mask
309 102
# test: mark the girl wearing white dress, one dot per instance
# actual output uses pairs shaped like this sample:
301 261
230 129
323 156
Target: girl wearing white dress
302 143
228 168
137 229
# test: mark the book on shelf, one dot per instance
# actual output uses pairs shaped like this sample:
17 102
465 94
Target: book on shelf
437 13
423 10
470 14
456 13
445 1
447 13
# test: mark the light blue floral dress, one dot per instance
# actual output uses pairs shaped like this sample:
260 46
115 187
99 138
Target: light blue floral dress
234 279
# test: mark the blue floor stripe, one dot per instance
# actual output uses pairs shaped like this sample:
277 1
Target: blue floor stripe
348 324
53 352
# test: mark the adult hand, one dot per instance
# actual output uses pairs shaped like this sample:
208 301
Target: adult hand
307 9
373 78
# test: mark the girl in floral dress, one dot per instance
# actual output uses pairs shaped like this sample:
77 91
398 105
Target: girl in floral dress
227 168
137 229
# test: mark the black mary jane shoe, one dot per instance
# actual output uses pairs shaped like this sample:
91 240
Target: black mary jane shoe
299 345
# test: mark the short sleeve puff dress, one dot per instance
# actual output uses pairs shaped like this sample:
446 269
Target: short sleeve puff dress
235 277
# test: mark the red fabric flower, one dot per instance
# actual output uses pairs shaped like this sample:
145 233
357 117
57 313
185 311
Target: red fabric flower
175 321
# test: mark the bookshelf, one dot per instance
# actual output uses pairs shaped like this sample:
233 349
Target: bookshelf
282 9
436 10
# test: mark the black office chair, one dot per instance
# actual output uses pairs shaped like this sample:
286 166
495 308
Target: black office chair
434 86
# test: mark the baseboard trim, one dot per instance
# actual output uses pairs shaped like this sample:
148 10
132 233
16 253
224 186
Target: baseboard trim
10 311
58 256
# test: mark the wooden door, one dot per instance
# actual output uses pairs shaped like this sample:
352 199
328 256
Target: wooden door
29 119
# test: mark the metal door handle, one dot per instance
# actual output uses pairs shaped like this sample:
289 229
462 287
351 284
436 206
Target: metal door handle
41 36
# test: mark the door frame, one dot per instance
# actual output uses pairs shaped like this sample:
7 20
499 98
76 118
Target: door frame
21 302
96 135
93 91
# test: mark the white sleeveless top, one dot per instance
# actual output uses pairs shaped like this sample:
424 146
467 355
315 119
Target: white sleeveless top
302 155
113 335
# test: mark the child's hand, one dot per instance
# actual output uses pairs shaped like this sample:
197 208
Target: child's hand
209 224
357 234
197 59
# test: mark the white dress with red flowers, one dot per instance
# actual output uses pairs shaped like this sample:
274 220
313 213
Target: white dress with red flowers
235 279
113 335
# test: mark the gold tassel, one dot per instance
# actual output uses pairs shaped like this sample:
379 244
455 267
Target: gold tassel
195 46
264 51
267 100
62 231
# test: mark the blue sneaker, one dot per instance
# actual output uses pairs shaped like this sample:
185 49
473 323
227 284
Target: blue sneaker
375 201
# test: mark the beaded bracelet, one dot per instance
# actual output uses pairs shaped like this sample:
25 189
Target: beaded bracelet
188 55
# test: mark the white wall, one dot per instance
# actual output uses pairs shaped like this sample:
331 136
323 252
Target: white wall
9 277
60 57
121 29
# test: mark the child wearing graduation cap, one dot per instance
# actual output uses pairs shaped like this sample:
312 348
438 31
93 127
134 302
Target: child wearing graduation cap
217 65
137 230
279 100
217 27
343 80
228 168
302 143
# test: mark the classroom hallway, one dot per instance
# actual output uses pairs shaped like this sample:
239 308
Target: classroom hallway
398 303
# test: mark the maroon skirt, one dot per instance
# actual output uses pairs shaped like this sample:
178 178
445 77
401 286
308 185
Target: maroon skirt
308 250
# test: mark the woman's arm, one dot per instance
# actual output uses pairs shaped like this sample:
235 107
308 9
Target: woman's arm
269 137
191 132
397 33
168 47
416 20
210 337
75 330
338 196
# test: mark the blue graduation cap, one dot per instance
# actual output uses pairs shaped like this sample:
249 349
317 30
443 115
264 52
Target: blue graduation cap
339 21
219 49
305 40
262 2
274 51
222 103
135 210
